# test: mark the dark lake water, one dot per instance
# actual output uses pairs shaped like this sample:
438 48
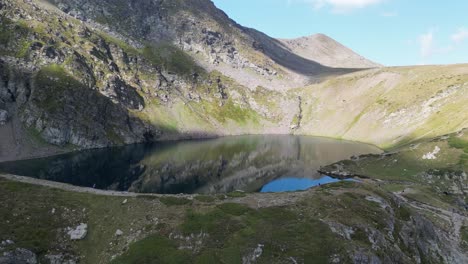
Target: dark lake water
247 163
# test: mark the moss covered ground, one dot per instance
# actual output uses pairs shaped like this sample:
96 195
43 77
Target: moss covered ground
206 229
440 182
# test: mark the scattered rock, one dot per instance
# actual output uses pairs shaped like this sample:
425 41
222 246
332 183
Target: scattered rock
378 200
342 230
7 242
118 232
192 242
252 257
79 232
124 201
3 117
60 259
19 255
432 155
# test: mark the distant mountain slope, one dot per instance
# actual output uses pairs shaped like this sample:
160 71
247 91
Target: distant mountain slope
388 106
208 34
327 51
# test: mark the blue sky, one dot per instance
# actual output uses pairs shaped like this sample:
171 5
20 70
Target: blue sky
391 32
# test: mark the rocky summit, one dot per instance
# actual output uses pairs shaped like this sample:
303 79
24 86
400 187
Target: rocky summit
86 74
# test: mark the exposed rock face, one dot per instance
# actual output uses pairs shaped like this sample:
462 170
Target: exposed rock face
19 255
195 26
410 238
124 94
198 27
64 111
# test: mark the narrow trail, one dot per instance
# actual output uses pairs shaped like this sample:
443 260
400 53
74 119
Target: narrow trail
254 200
64 186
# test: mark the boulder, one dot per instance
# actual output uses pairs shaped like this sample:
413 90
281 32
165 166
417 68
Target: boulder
3 117
79 232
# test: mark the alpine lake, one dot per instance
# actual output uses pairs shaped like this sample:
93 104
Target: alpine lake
268 163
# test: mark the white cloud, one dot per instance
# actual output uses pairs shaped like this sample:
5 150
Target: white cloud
460 35
427 44
428 48
340 6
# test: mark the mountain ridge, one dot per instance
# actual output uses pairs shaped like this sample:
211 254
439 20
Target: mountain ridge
198 27
327 51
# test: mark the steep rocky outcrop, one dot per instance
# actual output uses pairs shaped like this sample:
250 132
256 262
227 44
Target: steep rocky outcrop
79 85
198 27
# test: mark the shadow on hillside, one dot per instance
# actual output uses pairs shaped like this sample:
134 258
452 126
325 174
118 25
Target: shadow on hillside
282 55
75 113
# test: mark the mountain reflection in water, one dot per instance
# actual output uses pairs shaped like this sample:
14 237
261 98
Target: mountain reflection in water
247 163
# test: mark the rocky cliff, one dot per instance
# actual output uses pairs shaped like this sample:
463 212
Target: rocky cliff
86 73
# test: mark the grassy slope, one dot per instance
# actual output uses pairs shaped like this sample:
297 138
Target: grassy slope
207 229
441 182
388 106
407 162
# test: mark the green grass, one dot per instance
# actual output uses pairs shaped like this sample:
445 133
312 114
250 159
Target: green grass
464 159
427 194
205 198
235 230
233 208
464 236
35 136
117 42
12 33
31 225
24 49
270 100
52 81
174 201
361 236
171 58
215 223
295 120
403 213
5 31
154 249
459 143
230 110
427 180
236 194
27 219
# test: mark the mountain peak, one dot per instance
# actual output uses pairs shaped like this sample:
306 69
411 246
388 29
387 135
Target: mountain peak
327 51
